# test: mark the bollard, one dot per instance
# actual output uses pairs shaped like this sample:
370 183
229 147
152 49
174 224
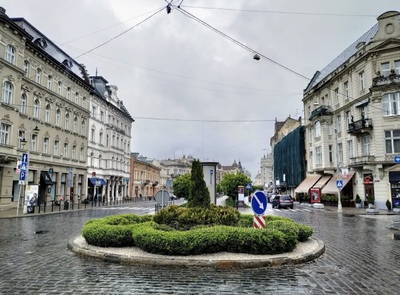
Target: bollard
44 208
59 205
52 206
38 206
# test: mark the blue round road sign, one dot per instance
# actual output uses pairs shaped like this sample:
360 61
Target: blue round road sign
259 203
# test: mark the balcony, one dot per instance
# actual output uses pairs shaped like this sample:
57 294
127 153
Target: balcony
322 110
360 126
393 78
361 161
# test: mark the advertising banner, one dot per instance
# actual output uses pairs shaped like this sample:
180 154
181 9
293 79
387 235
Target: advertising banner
315 194
31 198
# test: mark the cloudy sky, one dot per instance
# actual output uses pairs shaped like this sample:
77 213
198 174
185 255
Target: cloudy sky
191 90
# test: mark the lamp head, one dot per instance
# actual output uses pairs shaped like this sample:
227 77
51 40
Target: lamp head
36 130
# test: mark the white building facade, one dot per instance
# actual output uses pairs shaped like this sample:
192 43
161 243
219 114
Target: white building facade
109 137
352 116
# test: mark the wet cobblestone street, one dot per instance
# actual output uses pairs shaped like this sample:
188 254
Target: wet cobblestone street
360 258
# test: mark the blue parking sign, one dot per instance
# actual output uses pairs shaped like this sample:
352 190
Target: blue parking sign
22 175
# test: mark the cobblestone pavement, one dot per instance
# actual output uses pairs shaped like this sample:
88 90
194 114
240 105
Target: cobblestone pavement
360 258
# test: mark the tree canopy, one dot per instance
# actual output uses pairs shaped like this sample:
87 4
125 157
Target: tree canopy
182 185
230 183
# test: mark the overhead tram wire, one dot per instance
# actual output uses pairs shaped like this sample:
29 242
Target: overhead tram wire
124 32
188 14
281 12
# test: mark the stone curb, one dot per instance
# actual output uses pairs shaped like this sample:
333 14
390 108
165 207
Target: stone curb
317 249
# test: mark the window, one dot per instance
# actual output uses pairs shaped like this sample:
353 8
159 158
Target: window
318 155
348 119
34 143
47 114
366 145
101 137
4 133
113 140
74 152
107 140
101 116
38 76
58 117
49 82
361 78
338 124
350 148
397 67
93 111
68 93
59 88
56 147
330 150
84 102
65 150
10 54
337 96
22 107
26 68
75 124
346 89
92 136
385 69
36 105
66 126
77 98
83 128
81 154
392 141
390 104
340 153
21 136
310 159
8 89
317 129
46 145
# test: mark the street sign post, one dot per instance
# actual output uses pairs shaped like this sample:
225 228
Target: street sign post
396 159
22 175
339 183
259 203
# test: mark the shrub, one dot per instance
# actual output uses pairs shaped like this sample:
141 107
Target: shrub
185 218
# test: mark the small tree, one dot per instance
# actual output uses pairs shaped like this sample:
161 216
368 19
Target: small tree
182 185
199 195
230 183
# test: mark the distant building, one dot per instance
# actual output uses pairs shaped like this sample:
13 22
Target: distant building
145 177
235 168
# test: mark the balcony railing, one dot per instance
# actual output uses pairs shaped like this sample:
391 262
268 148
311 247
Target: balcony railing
360 126
393 78
362 160
323 110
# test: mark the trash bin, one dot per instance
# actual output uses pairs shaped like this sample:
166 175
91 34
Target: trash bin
66 205
30 209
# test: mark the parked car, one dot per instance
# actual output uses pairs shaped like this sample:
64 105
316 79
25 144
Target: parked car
282 201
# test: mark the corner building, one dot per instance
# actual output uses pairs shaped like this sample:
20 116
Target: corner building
352 116
44 111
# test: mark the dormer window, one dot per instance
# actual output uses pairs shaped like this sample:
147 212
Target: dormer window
68 63
41 42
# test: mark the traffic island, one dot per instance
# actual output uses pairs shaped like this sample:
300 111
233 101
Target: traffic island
306 251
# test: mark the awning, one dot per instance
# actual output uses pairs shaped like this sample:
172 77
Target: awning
322 181
362 102
331 188
308 182
45 177
97 181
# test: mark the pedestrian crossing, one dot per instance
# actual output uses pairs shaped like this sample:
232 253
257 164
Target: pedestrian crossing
290 210
141 209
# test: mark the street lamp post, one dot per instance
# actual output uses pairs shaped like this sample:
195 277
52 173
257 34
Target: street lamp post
338 174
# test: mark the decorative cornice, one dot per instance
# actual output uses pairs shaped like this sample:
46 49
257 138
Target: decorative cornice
39 94
60 104
50 99
6 119
27 88
10 78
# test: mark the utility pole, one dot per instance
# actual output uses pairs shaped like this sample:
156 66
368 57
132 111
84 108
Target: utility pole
338 174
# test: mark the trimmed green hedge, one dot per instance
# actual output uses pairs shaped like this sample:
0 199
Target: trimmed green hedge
280 235
182 218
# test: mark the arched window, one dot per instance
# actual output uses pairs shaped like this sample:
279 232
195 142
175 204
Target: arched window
84 102
8 89
36 105
75 124
26 68
59 88
58 117
38 76
10 54
49 82
77 98
68 93
24 101
66 121
83 127
47 114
